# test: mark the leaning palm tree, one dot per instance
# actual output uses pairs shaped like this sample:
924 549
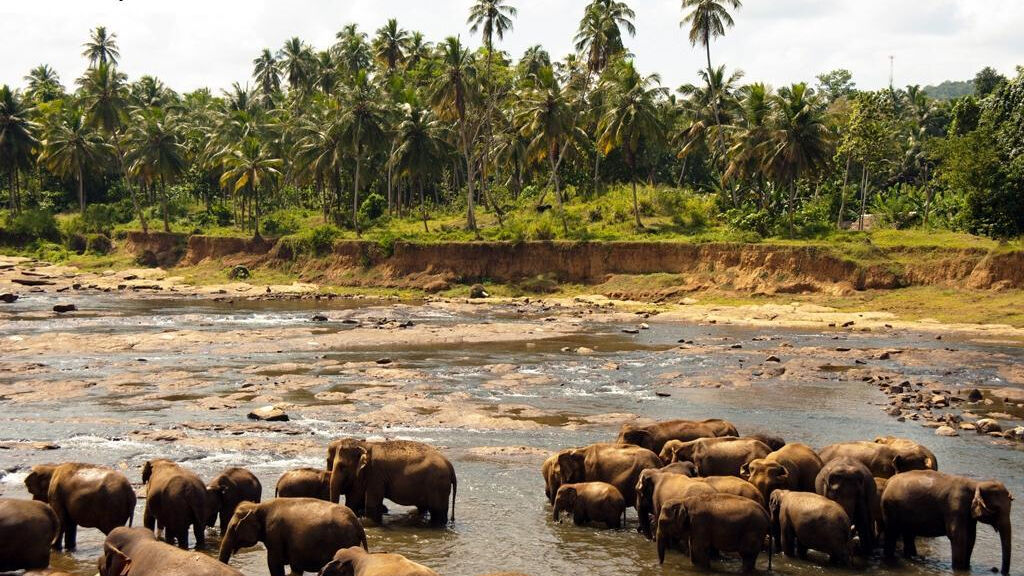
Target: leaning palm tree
420 150
362 121
72 148
267 74
390 45
17 141
155 152
101 47
632 119
43 84
248 169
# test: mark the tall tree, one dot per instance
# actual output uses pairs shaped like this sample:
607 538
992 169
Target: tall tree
71 148
101 47
155 153
43 84
267 74
249 168
297 62
391 45
420 150
362 121
17 141
599 36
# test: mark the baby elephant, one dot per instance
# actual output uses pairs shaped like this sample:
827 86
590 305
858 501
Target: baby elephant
803 520
591 502
715 522
304 483
229 489
27 529
175 500
358 562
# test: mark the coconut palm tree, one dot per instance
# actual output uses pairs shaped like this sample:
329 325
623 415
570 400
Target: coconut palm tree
417 50
420 149
390 45
491 18
17 141
362 120
533 61
155 152
747 155
72 147
297 62
632 119
599 36
453 92
43 84
267 74
351 50
101 47
104 95
319 152
248 169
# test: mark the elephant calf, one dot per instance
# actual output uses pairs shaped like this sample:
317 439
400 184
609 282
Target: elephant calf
302 533
137 552
355 561
83 495
715 522
591 502
850 484
176 499
304 483
655 487
804 520
930 503
27 530
229 489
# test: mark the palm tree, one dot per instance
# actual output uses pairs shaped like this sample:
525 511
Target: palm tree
267 74
390 45
491 18
533 61
453 92
417 50
420 150
101 47
71 148
351 50
43 84
248 168
747 159
297 63
800 141
600 32
362 120
17 141
155 153
632 119
319 152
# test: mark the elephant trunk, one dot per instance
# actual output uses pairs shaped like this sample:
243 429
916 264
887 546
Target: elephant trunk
227 546
557 512
335 485
1006 540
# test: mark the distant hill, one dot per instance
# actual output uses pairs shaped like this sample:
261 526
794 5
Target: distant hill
950 89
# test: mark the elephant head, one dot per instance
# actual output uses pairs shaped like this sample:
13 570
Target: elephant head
766 475
38 481
688 469
552 477
572 466
217 495
348 469
668 451
636 436
773 442
114 562
991 505
344 562
673 523
246 529
149 466
565 500
676 451
909 454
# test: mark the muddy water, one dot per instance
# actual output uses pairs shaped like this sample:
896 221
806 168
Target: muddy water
503 522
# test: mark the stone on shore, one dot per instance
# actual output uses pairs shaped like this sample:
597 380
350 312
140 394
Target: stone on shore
64 308
946 431
269 414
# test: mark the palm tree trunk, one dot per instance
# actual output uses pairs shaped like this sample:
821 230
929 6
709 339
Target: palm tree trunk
682 173
81 189
16 192
636 205
842 195
256 217
470 214
355 193
163 204
557 187
863 197
423 205
792 201
718 122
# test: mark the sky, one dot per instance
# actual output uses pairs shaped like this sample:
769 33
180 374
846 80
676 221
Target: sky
195 43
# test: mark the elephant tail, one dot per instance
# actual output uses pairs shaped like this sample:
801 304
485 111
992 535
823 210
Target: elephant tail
455 488
771 548
131 517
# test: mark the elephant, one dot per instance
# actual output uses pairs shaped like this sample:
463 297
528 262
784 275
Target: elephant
83 495
805 520
175 500
931 504
46 572
883 460
27 530
229 489
715 456
552 477
735 486
715 522
137 552
591 502
913 456
654 436
304 483
303 533
792 467
850 484
355 561
407 473
617 464
685 468
773 442
876 506
654 487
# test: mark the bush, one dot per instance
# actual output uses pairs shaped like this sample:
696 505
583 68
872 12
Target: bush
282 222
317 241
98 244
33 225
372 208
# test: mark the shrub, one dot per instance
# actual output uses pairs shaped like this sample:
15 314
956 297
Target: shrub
33 225
372 208
316 241
98 244
282 222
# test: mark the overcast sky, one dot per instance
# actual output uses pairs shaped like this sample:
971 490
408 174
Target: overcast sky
194 43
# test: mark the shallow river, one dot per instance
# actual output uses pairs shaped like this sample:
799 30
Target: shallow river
503 521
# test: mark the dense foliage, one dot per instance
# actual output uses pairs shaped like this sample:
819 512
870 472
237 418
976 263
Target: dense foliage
391 126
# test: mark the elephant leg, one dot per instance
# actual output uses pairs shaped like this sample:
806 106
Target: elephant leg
148 520
699 555
891 536
225 519
578 518
961 540
749 562
788 541
182 538
275 562
866 533
909 544
199 529
70 534
801 550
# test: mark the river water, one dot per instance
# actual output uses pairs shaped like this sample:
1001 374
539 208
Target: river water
503 521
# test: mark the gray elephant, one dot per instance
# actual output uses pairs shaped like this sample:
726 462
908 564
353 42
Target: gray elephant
83 495
552 477
617 464
913 455
654 487
27 530
931 504
304 483
229 489
792 467
735 486
716 456
715 522
176 500
591 502
883 460
355 561
302 533
850 484
805 520
137 552
407 473
654 436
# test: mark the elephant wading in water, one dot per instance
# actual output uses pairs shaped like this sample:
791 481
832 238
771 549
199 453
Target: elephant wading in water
655 487
805 520
883 460
27 530
617 464
137 552
407 473
715 522
849 483
716 456
931 504
793 467
913 456
591 502
175 501
654 436
358 562
302 533
552 477
304 483
83 495
232 487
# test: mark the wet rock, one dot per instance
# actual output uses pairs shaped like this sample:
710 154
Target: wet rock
1015 434
1009 394
772 358
435 286
268 414
478 291
584 351
939 400
240 273
8 298
662 394
631 330
65 308
384 361
32 282
967 427
946 431
645 326
987 425
318 318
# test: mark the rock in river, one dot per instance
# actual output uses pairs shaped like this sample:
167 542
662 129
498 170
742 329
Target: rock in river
8 298
64 308
269 414
946 431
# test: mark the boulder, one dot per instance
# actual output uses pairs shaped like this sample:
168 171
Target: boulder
478 291
986 425
64 308
8 298
435 286
974 395
946 431
318 318
269 414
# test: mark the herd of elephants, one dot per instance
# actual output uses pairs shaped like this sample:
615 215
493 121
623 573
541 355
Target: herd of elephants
697 486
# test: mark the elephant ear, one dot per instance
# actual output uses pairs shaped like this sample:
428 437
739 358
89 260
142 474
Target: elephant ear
745 471
338 568
364 462
775 503
116 562
979 508
147 471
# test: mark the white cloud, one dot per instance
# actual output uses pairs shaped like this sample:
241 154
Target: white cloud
193 43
